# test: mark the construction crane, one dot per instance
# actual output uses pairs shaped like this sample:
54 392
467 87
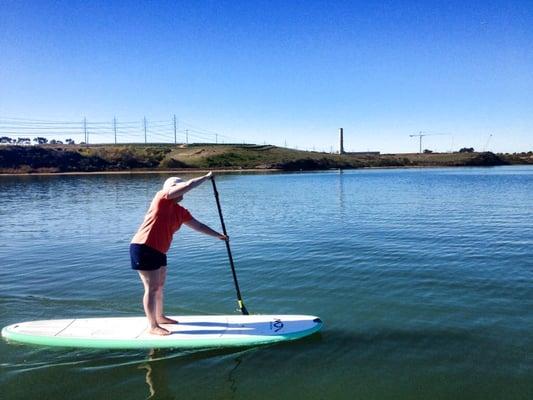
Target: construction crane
421 134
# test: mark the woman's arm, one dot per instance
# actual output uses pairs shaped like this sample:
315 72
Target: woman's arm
199 227
181 188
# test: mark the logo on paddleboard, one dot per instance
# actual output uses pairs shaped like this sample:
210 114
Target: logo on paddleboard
276 325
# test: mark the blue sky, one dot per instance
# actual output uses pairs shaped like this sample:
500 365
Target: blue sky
277 72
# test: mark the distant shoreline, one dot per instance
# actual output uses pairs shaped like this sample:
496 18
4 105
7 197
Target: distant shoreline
140 172
198 158
229 171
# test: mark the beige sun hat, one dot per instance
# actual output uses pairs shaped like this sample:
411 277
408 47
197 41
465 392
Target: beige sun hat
171 182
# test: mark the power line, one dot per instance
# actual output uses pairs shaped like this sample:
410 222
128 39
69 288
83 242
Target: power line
111 130
85 130
144 129
175 128
115 128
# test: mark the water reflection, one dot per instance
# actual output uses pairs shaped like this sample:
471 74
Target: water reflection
156 375
340 192
159 362
231 377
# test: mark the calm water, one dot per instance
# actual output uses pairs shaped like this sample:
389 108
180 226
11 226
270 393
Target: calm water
424 280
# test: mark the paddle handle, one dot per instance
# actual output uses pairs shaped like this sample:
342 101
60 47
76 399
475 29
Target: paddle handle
230 257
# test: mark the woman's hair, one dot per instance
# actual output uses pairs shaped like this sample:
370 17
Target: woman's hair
171 182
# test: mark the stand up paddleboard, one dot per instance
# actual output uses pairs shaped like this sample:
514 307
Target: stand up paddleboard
191 331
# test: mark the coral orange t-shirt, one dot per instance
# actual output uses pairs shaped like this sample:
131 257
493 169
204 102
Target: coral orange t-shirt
164 217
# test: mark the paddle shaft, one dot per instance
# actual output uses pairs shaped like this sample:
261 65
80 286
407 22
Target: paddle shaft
239 297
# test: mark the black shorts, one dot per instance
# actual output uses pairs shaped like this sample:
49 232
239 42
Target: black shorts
145 258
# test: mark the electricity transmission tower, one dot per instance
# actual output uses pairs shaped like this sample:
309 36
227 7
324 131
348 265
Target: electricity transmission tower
487 143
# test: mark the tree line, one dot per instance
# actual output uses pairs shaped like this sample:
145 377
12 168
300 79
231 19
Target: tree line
37 140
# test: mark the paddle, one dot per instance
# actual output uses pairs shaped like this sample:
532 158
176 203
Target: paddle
239 298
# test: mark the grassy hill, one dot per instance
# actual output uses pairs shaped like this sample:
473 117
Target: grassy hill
132 157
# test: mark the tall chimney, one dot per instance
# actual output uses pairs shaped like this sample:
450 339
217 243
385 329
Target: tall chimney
341 133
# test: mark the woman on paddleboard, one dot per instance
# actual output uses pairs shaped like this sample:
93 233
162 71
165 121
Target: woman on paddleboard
150 244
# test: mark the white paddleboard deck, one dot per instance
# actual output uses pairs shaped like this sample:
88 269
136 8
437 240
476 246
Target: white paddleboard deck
199 331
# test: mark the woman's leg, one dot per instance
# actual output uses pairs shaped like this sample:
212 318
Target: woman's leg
160 316
151 283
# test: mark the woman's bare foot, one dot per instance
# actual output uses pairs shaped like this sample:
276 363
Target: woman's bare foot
159 331
166 320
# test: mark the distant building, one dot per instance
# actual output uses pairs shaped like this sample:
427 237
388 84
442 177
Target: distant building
354 153
363 153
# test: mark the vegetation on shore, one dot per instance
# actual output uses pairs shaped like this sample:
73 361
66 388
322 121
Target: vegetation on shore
94 158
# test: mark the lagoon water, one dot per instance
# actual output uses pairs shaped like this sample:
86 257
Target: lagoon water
423 278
